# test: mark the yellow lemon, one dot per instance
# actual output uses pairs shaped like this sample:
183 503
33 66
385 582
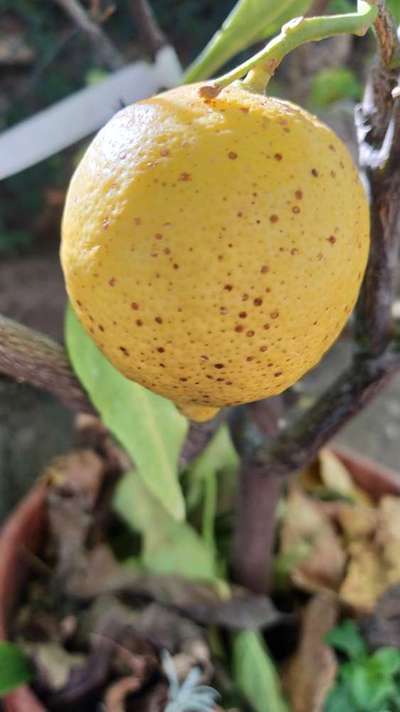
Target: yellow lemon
214 247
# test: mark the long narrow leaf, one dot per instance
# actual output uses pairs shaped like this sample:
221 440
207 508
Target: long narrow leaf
249 22
148 426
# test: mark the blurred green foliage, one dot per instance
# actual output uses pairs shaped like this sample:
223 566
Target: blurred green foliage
333 84
365 682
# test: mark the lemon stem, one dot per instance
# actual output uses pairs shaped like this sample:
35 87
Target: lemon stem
261 67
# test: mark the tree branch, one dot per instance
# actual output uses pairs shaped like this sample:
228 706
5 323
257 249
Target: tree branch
102 45
30 357
150 32
198 437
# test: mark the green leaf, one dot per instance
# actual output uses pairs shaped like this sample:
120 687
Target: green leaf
210 483
346 639
249 22
255 673
15 668
339 700
369 688
148 426
169 547
332 84
394 7
219 458
387 660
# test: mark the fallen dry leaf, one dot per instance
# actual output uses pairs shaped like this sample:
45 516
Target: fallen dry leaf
328 474
374 560
115 697
334 474
357 521
365 578
307 529
312 670
98 572
388 537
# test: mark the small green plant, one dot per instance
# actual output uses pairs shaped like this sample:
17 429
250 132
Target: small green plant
366 682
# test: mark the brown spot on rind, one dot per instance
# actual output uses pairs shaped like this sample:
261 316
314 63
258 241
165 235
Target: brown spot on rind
185 177
158 320
264 269
299 194
232 155
331 239
257 302
314 172
278 156
274 218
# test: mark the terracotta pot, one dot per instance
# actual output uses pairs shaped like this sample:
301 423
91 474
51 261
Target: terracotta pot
26 526
372 477
21 536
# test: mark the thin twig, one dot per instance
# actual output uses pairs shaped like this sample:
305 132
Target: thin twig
109 55
30 357
199 436
150 32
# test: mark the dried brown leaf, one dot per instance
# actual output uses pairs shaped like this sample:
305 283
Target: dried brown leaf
308 529
388 537
357 521
374 561
115 697
334 474
311 672
365 577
